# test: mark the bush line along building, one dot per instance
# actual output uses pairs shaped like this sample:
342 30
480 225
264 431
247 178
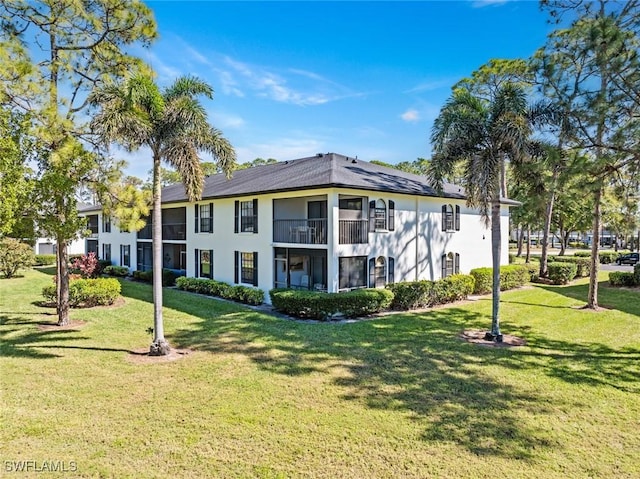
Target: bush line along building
327 223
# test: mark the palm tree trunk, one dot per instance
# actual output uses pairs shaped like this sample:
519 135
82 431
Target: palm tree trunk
160 346
496 241
592 300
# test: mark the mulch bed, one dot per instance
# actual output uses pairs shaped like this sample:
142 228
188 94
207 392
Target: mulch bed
141 356
476 336
73 325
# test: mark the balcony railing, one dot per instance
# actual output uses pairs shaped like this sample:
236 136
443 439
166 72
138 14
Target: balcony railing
300 231
353 231
170 231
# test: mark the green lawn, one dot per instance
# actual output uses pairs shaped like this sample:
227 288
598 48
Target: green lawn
396 397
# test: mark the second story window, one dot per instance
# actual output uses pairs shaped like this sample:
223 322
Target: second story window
381 218
450 218
204 218
246 216
106 224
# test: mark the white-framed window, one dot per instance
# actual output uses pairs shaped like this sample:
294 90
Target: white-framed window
450 264
125 255
450 217
204 218
106 251
246 267
106 224
381 215
246 216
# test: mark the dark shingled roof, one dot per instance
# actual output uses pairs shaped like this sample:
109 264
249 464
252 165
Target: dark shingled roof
320 171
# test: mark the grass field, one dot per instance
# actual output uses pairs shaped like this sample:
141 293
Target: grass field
396 397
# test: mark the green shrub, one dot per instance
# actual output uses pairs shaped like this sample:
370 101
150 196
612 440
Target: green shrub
608 257
45 259
511 276
323 306
120 271
582 254
88 292
512 258
211 287
562 273
483 280
533 269
144 276
424 293
583 264
168 276
622 278
14 255
636 273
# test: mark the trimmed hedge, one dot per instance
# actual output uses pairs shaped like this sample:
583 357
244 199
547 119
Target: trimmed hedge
562 273
45 259
583 265
169 276
424 294
211 287
86 293
323 306
511 276
636 273
622 278
120 271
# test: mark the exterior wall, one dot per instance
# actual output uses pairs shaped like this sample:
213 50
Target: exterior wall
417 242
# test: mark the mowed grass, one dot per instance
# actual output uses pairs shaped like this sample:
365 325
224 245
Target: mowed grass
396 397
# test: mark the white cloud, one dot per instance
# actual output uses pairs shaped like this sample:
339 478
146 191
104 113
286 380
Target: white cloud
411 115
488 3
226 120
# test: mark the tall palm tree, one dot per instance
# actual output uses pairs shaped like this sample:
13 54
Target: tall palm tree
173 124
482 134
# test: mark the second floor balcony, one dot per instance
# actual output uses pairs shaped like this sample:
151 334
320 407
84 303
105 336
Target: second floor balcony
300 231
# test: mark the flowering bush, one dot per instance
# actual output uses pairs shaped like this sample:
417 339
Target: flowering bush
87 265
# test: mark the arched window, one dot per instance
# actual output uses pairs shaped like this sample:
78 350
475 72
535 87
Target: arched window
450 264
377 272
381 216
450 218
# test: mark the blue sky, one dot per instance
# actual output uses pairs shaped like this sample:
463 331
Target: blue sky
364 79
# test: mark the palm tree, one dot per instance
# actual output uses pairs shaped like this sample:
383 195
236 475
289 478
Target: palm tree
173 124
482 134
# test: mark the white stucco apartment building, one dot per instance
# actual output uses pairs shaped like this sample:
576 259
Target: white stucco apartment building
327 222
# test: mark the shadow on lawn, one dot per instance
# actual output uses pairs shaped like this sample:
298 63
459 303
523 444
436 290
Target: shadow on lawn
416 363
15 342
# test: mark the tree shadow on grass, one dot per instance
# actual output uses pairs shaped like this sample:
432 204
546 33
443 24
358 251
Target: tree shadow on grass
627 301
415 363
16 342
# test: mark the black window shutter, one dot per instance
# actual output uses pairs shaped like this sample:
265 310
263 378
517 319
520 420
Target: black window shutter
197 272
197 208
391 224
255 268
444 265
372 215
372 272
210 264
391 273
255 215
236 223
457 218
444 217
210 217
236 266
456 267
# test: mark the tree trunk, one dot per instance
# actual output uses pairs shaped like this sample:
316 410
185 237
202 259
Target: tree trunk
496 241
520 240
62 282
159 346
528 257
544 264
592 300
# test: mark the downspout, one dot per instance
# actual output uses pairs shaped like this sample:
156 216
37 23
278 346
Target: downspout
417 234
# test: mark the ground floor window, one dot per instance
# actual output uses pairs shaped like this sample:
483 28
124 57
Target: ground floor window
300 268
246 267
145 256
125 255
92 247
204 263
106 251
450 264
352 271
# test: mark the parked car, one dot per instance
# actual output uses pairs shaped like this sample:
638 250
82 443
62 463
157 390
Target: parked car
629 258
